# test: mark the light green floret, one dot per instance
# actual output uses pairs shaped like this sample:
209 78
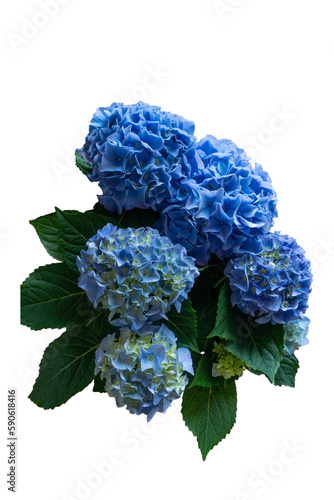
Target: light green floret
227 365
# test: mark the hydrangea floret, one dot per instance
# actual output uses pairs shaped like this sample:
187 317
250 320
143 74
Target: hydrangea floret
295 335
145 374
136 274
274 285
227 365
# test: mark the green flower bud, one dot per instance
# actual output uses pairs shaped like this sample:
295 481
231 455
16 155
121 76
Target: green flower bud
227 365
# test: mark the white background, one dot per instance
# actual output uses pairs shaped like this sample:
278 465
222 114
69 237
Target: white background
235 68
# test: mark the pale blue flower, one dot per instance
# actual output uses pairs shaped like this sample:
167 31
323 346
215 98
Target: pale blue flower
273 285
145 373
136 274
295 335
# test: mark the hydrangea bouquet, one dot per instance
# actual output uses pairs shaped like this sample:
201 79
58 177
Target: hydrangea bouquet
173 284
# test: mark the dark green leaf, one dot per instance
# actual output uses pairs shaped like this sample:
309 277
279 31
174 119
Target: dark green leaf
196 358
261 349
98 208
203 374
51 298
255 372
67 367
98 322
99 384
47 229
82 164
76 229
259 346
206 311
210 413
287 370
183 324
227 319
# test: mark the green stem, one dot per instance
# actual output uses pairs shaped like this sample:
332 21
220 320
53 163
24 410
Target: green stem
220 281
120 220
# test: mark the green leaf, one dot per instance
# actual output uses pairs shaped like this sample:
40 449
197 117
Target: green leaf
255 372
259 346
227 319
98 208
203 374
82 164
287 370
47 229
50 298
206 311
183 324
135 218
67 367
98 321
76 228
210 413
99 384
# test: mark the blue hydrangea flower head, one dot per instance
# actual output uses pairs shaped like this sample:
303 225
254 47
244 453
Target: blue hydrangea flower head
135 273
145 373
139 154
273 285
225 206
295 334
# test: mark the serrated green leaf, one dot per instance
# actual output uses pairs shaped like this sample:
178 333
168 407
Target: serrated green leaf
259 346
255 372
47 229
76 229
98 208
228 319
287 370
82 164
98 322
203 374
183 324
51 298
67 367
206 312
210 413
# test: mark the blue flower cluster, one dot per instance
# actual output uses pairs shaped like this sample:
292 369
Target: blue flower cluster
224 207
295 335
139 154
211 199
135 273
273 285
147 373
